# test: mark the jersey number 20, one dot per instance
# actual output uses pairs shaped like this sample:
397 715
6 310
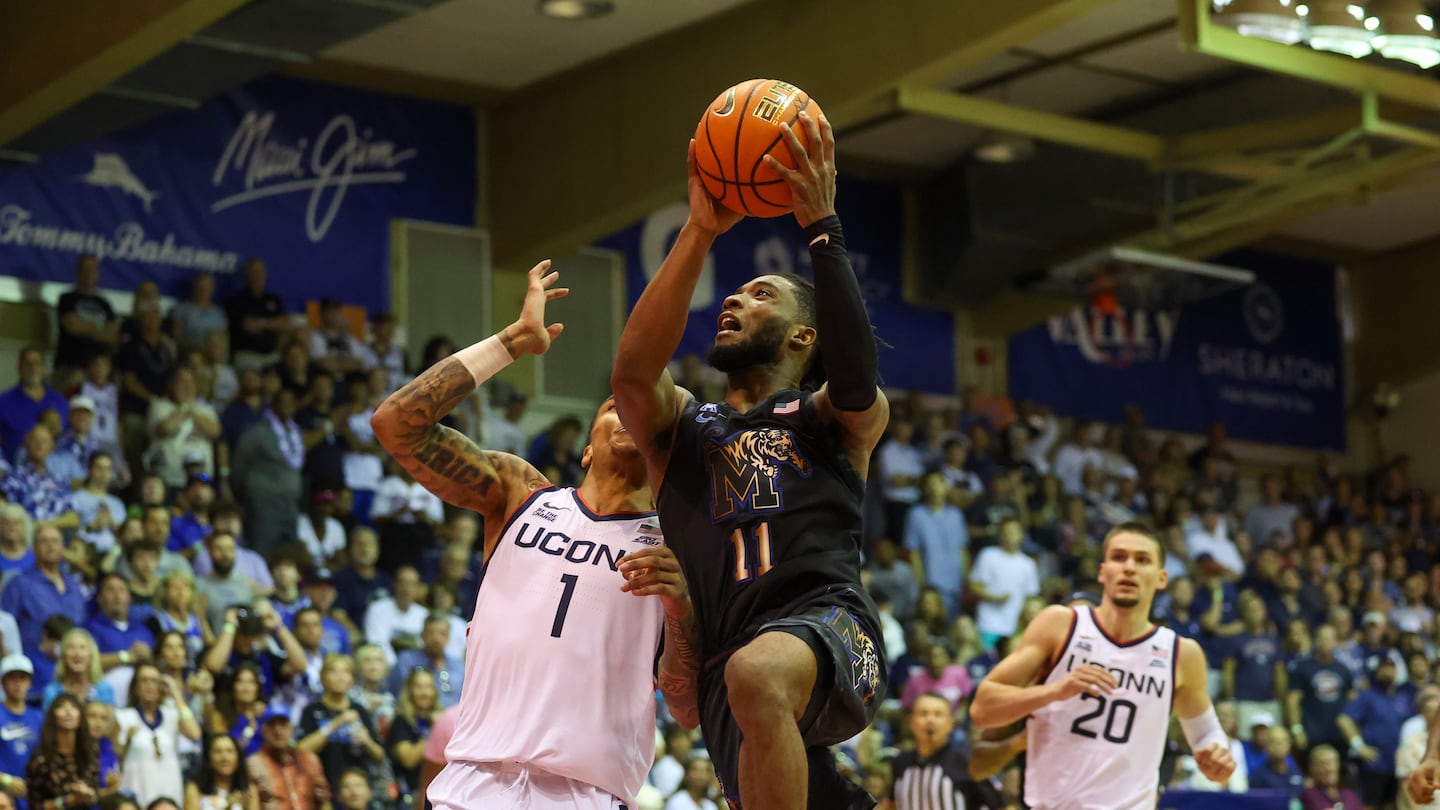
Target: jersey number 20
752 550
1110 733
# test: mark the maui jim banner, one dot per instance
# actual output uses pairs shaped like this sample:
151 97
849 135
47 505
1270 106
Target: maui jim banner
1264 359
923 357
306 176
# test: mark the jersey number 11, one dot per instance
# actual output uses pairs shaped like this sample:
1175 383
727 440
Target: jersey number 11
752 550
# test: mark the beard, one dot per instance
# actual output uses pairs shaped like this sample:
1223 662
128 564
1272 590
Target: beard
761 348
222 570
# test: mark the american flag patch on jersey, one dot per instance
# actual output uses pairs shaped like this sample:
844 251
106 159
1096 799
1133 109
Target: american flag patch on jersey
793 406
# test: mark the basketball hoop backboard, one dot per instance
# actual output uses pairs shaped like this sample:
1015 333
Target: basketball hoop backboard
1136 279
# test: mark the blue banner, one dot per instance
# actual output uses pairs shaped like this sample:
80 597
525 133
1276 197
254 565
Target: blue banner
923 340
306 176
1264 359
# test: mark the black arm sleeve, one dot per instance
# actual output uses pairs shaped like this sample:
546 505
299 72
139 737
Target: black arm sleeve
848 351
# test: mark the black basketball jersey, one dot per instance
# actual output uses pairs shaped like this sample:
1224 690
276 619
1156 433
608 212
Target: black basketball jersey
763 511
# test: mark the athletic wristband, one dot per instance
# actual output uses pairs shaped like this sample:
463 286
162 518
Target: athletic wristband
124 657
1298 728
1357 742
485 359
228 627
1204 730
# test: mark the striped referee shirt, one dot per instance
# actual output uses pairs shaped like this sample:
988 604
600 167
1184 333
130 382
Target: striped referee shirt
940 782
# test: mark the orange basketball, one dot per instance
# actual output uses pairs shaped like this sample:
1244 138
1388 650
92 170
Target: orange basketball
735 134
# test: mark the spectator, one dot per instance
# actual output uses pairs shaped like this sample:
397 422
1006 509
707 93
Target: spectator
100 389
962 485
1325 791
553 452
304 688
319 531
296 369
65 769
19 724
239 707
217 378
146 364
1211 538
415 714
221 783
156 532
1253 673
362 582
1414 614
1002 578
395 622
324 450
79 673
192 525
937 773
246 410
696 788
21 406
1371 722
150 731
940 677
255 635
1320 687
895 577
287 777
225 519
172 655
257 319
335 627
15 531
74 447
364 458
433 657
406 514
121 639
287 599
100 512
1269 522
193 320
891 630
100 720
389 354
183 430
503 434
339 731
41 591
45 497
901 466
354 792
372 686
936 535
87 321
265 472
333 348
1073 458
1277 771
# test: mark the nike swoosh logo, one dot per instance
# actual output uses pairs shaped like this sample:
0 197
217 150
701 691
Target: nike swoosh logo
12 733
729 105
822 239
549 505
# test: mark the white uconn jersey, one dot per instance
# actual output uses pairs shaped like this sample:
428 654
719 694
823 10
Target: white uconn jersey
559 662
1102 752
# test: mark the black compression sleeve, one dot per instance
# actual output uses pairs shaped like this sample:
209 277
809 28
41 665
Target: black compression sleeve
848 348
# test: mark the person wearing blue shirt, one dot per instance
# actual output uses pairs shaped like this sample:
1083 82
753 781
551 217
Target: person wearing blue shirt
935 531
45 498
191 526
37 593
19 725
21 406
448 672
1319 689
320 591
1253 671
120 634
1371 723
1277 770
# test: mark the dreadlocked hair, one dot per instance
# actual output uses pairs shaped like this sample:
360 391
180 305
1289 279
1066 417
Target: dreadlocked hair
814 374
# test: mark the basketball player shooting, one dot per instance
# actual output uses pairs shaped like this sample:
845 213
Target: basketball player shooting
558 706
1098 685
760 496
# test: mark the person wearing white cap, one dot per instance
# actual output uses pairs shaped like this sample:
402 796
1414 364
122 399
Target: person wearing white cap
19 723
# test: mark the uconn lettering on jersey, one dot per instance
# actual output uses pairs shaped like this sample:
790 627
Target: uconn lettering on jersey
560 544
1139 682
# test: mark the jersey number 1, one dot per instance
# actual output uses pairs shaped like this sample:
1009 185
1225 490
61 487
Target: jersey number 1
559 625
752 550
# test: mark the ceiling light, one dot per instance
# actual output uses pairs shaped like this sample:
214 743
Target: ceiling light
1266 19
1338 26
575 9
1004 148
1406 32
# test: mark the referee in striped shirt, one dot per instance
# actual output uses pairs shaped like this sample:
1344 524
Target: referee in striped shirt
935 776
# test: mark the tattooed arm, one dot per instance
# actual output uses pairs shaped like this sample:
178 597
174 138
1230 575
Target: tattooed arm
445 461
657 571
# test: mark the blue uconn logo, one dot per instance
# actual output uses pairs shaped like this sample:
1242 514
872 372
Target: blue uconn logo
560 544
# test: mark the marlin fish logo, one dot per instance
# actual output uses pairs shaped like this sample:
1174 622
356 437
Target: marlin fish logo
111 171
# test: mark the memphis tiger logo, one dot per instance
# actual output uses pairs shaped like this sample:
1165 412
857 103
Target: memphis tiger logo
864 656
745 471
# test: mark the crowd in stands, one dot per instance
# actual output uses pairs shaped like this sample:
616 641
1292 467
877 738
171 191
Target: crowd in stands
218 590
